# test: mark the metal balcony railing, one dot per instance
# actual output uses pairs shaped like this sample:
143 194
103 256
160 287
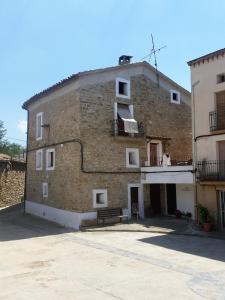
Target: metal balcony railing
173 161
213 170
118 129
216 120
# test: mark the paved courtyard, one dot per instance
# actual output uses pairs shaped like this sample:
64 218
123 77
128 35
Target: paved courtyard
40 260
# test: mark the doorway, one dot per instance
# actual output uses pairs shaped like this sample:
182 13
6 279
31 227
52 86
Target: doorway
153 154
222 209
171 197
221 169
155 199
135 200
220 106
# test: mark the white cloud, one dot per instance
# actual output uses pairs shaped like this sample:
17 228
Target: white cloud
22 126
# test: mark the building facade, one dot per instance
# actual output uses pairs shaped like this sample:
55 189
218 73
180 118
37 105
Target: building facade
94 138
208 102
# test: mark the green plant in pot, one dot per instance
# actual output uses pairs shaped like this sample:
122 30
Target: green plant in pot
204 218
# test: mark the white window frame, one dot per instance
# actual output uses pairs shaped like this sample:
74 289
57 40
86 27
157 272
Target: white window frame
47 159
105 195
44 188
40 114
171 97
117 88
159 150
41 162
130 106
136 151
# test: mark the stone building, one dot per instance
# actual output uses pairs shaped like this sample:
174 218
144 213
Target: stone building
97 139
208 101
12 180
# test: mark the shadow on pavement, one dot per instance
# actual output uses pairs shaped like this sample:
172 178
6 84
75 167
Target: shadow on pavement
15 225
205 247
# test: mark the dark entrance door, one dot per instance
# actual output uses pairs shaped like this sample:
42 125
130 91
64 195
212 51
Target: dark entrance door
221 165
171 198
153 154
134 200
155 198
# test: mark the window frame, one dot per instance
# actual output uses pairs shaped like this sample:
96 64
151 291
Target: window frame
171 97
41 164
136 151
94 198
38 138
44 186
47 159
126 81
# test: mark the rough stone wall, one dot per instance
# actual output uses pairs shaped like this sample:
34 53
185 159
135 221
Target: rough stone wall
104 152
62 115
88 114
11 185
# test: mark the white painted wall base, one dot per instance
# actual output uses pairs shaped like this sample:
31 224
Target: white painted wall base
66 218
185 198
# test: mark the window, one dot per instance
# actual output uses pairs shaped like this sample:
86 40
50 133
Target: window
174 97
39 123
122 88
50 159
44 189
132 158
125 121
220 78
100 198
39 159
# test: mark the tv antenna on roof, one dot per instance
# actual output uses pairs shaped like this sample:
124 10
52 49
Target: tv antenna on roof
153 52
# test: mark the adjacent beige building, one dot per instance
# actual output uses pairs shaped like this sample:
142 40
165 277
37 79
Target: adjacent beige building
208 102
99 138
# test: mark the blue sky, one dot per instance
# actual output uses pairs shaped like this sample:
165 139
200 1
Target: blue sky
44 41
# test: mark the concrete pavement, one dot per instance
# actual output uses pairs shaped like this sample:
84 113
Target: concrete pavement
40 260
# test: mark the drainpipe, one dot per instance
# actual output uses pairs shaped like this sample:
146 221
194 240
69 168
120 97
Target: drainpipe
194 145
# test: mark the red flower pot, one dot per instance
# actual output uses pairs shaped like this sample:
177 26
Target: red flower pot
207 227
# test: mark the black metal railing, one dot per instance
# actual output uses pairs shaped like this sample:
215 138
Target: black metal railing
165 162
216 120
118 129
213 170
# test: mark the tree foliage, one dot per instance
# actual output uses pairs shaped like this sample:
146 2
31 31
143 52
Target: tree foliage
6 147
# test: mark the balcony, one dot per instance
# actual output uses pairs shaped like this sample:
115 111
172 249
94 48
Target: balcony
118 129
172 161
217 120
176 170
212 170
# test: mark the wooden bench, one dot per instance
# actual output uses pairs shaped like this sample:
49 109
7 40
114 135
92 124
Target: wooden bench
109 213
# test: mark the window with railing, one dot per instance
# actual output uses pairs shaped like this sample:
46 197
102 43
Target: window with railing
119 130
217 117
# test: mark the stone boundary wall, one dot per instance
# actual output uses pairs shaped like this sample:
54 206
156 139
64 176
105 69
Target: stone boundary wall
12 179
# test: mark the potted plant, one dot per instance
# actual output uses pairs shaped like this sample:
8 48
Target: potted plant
178 213
204 218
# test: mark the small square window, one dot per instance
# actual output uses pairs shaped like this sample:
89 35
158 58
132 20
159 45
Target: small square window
44 189
132 158
39 123
39 159
175 97
100 198
220 78
50 159
122 88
